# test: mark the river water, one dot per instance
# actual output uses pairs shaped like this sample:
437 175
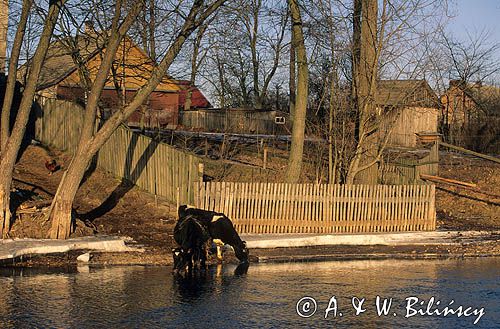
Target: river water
264 297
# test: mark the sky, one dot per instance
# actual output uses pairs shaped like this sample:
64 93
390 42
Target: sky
474 16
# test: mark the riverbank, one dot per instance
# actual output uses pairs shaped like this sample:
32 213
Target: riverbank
107 206
263 249
412 245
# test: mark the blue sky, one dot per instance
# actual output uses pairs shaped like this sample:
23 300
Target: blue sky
474 16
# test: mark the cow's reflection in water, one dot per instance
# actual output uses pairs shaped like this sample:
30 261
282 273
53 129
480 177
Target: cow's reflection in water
196 285
241 269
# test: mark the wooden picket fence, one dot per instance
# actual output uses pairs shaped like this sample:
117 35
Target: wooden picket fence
155 167
320 208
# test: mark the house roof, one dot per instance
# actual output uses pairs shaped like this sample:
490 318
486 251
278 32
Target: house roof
406 93
60 65
59 61
198 99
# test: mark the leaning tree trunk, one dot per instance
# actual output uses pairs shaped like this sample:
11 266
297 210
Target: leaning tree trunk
6 178
61 209
5 218
299 121
11 79
90 145
10 153
291 82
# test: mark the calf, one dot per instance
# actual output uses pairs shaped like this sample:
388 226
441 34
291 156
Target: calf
220 227
192 238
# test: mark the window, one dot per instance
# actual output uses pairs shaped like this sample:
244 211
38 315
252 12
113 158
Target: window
279 120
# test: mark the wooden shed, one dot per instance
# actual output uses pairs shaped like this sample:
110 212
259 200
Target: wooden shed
408 108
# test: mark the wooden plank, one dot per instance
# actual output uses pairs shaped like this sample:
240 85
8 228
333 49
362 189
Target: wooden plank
461 149
438 179
307 206
260 207
285 206
357 208
244 200
432 206
350 207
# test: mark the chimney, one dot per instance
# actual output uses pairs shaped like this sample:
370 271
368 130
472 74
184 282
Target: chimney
89 27
4 24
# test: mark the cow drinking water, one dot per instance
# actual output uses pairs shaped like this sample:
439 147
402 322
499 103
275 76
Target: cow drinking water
219 227
192 238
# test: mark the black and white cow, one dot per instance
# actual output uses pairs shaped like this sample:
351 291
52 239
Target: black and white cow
219 227
192 238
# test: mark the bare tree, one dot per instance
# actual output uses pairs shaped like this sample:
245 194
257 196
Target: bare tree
13 143
473 59
272 40
468 65
294 167
365 60
91 141
11 79
246 45
398 45
197 58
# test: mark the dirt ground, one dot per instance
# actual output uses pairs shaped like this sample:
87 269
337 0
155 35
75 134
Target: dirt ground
103 205
106 205
461 208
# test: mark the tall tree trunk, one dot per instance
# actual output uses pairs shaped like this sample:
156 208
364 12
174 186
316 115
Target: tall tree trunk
9 156
331 115
299 121
63 200
10 88
291 82
364 70
255 60
88 147
62 204
4 25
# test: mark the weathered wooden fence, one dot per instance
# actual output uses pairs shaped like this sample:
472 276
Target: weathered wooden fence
407 171
59 124
155 167
320 208
254 207
234 121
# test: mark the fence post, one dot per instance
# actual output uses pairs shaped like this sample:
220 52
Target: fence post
265 158
178 203
201 168
432 207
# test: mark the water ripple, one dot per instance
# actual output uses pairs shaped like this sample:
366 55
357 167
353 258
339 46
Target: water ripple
150 297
